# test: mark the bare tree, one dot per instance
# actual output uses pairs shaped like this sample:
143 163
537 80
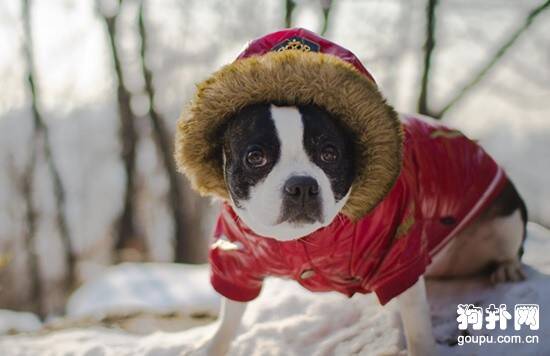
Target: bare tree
485 68
163 139
26 189
326 5
41 143
290 5
494 59
126 228
429 46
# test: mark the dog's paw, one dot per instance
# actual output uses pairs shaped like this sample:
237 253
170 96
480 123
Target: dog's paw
507 271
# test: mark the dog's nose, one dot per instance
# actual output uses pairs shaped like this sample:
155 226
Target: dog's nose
301 188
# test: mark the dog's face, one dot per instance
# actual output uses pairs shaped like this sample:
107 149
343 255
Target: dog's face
288 169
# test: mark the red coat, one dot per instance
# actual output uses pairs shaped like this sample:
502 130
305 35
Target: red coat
446 180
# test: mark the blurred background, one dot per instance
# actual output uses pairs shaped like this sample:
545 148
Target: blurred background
90 92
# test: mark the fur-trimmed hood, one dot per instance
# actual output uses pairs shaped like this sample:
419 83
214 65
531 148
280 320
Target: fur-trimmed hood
294 67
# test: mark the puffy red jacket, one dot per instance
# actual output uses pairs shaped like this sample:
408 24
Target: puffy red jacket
445 182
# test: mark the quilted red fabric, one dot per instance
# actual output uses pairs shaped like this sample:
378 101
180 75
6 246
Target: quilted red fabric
445 182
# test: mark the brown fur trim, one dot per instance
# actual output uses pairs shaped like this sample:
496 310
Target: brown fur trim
293 77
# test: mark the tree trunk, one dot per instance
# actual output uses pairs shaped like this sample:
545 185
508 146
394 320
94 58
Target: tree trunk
289 9
428 51
326 5
165 145
41 141
126 232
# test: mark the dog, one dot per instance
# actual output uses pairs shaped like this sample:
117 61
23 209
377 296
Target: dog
289 171
314 193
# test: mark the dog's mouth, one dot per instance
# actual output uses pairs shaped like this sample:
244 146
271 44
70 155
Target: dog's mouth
300 217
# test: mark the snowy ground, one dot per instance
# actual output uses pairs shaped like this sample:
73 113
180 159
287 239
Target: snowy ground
284 320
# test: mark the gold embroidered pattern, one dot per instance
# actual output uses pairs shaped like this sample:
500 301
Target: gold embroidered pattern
404 228
295 45
446 133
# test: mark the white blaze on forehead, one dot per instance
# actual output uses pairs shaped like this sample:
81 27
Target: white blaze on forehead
290 130
262 210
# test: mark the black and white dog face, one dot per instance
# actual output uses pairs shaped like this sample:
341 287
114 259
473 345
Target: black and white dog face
288 169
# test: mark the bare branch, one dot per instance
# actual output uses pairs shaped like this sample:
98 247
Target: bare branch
26 181
41 136
428 51
289 9
482 72
327 7
30 217
126 230
165 145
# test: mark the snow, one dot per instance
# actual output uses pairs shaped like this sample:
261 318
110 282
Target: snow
12 322
145 287
286 319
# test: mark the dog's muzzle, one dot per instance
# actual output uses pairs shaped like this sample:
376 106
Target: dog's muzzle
301 200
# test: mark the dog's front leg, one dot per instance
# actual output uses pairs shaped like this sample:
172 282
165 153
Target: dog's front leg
417 324
228 323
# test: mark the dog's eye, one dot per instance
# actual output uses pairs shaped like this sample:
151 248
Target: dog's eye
256 158
329 154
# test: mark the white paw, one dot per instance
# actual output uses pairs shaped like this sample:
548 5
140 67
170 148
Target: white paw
508 271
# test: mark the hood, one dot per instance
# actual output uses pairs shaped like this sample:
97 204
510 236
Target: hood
293 67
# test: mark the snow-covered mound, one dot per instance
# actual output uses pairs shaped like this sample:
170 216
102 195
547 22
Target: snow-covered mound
145 287
287 320
13 321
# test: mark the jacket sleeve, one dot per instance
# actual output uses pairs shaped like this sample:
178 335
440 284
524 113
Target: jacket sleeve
235 273
406 256
404 264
